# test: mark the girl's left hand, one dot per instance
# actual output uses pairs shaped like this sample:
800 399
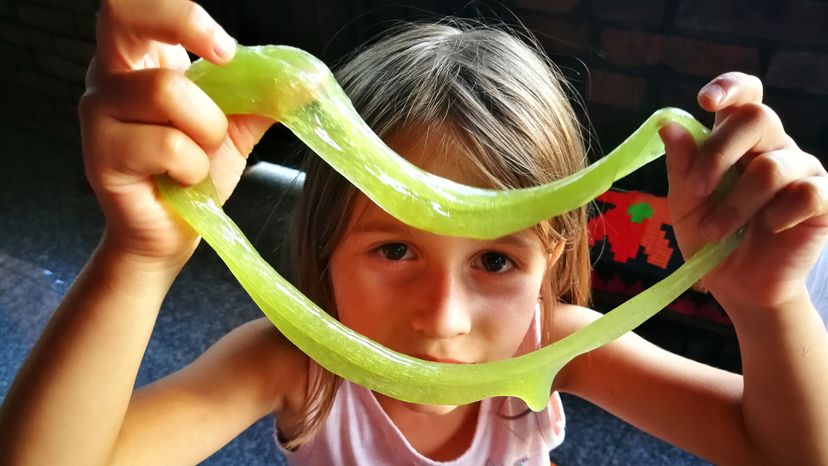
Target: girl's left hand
780 196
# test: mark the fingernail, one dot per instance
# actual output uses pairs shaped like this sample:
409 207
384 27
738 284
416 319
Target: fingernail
713 92
223 44
697 184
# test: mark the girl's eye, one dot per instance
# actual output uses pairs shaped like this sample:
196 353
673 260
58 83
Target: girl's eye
393 251
494 262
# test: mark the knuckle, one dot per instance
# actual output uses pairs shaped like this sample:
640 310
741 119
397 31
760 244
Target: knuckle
217 131
768 169
164 87
757 112
197 18
87 106
112 11
751 111
812 195
172 143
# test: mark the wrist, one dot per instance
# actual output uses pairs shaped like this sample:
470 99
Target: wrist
795 305
113 250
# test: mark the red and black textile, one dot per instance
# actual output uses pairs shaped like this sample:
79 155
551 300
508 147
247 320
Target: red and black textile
633 246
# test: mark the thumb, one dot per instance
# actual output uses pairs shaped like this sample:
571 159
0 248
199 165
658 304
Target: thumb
228 162
245 131
680 148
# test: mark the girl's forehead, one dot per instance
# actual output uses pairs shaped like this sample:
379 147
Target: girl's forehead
438 152
366 216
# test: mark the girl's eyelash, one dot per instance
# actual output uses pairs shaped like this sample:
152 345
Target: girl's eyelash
393 251
495 259
492 262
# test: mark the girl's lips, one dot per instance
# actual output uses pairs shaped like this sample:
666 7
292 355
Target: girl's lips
438 359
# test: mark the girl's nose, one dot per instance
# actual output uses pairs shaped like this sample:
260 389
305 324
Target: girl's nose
444 310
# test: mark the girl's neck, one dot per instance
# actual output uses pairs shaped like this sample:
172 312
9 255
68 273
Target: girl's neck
441 434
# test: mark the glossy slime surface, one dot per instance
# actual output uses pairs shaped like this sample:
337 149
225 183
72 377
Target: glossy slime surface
298 90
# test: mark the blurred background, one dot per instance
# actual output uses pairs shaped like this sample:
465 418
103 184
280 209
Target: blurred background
625 58
639 54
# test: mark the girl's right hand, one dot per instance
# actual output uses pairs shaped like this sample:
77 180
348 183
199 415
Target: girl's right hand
140 117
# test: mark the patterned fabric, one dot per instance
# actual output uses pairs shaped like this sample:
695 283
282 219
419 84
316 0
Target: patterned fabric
633 246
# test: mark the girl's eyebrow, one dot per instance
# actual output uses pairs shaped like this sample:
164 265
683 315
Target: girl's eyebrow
518 239
381 227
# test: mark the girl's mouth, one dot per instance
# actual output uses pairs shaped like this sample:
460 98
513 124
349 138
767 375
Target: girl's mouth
438 359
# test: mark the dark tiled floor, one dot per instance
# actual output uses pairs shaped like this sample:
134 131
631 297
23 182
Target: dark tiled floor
51 222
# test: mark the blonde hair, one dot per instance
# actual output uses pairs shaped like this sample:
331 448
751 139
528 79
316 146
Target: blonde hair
493 95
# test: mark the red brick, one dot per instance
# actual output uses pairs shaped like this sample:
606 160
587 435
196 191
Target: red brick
633 48
66 110
552 6
90 6
19 57
649 12
61 67
27 100
805 71
805 119
86 26
617 90
794 21
68 131
25 36
75 50
6 10
7 72
561 36
708 59
44 84
47 18
682 94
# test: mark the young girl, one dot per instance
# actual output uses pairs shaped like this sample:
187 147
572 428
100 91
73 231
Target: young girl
476 106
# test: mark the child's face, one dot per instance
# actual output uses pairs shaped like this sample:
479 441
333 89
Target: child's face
435 297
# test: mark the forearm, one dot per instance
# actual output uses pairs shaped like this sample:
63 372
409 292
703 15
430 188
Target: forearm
70 397
785 367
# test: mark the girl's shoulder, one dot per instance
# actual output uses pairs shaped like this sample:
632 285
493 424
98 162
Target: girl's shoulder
569 318
268 357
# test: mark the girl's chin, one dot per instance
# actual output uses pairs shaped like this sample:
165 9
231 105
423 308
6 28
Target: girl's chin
429 409
437 410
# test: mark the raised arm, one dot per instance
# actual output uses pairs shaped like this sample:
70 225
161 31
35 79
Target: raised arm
140 117
781 199
777 412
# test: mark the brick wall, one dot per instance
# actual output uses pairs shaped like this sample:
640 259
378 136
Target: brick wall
641 54
45 46
646 54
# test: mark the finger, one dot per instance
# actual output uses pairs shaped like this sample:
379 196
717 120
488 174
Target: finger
680 148
142 150
165 97
802 201
764 177
245 131
730 89
750 128
126 29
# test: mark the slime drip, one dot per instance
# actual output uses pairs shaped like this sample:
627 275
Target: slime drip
298 90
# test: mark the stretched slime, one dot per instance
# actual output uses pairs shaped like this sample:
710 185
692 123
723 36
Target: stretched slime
295 88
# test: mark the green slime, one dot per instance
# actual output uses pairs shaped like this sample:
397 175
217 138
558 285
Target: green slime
296 89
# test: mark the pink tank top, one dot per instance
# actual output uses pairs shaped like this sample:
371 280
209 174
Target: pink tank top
358 432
